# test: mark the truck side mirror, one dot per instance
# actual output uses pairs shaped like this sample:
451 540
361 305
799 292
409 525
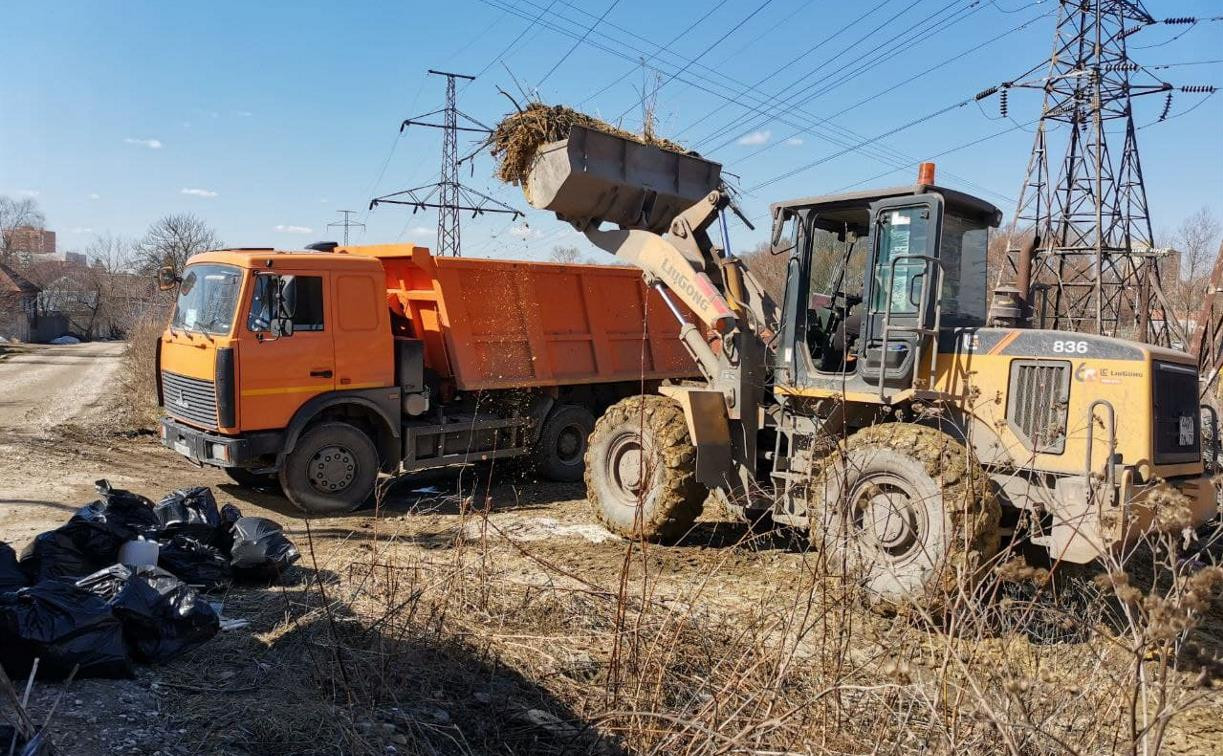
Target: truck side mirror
167 279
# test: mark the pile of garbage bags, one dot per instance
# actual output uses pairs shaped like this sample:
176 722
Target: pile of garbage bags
121 582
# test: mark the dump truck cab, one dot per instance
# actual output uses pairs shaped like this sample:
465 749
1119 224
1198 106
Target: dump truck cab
261 341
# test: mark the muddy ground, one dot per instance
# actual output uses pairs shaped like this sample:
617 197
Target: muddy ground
52 402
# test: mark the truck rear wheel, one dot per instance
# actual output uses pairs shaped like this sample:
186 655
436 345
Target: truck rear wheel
641 470
331 470
561 449
906 511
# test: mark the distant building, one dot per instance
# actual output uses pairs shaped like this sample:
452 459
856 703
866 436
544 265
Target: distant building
75 258
19 318
28 243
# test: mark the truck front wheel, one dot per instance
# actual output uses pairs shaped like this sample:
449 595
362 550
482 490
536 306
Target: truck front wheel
641 470
331 470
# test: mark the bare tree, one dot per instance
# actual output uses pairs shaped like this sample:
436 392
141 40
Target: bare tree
14 214
565 255
172 240
1197 245
770 269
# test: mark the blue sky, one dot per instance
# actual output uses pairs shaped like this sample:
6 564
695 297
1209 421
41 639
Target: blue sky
264 118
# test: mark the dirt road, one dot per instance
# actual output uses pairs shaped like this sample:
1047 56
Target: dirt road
43 386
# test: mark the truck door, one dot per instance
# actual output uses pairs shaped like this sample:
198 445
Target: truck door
278 374
903 285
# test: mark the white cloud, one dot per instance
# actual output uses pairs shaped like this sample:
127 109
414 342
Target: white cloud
31 193
243 113
152 144
197 192
420 230
293 229
523 232
94 196
794 142
756 137
79 230
324 201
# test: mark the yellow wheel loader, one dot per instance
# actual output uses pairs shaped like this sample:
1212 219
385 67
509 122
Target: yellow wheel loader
875 406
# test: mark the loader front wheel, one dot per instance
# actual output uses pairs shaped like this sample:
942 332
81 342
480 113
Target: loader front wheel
907 512
641 470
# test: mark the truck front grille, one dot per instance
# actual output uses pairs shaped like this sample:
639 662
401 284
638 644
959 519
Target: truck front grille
1177 417
1038 403
190 399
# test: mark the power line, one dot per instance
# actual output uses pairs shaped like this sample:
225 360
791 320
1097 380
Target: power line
661 48
695 84
857 66
580 40
706 51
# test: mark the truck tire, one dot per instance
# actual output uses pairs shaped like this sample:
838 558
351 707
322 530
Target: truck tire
248 479
560 452
907 512
641 470
331 470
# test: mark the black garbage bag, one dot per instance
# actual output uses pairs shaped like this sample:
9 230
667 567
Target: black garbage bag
195 562
188 506
90 540
261 551
162 616
62 626
12 577
229 515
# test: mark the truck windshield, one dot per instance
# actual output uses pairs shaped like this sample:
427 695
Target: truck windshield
207 298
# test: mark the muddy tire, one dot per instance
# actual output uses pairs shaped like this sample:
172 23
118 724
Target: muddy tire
905 510
248 479
331 470
640 470
560 452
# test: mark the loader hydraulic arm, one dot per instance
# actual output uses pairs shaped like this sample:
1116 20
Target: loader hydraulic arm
716 287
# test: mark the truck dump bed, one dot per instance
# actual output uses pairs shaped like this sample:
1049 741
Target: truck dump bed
495 324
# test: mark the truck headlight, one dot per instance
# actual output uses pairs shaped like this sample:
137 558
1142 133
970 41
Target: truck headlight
218 452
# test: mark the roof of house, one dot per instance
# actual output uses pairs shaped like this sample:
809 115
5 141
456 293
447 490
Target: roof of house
12 282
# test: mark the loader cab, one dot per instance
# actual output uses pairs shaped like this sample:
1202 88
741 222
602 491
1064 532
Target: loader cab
871 276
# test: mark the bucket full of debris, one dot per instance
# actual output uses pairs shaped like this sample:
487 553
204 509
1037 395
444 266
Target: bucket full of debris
587 171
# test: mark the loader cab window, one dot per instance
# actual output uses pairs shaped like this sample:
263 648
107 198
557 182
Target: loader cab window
902 232
963 250
836 267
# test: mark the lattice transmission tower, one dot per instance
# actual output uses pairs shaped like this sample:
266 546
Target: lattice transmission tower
448 196
1095 268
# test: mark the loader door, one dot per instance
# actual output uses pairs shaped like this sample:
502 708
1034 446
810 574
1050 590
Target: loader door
903 287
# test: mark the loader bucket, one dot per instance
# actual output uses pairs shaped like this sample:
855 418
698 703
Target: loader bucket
594 176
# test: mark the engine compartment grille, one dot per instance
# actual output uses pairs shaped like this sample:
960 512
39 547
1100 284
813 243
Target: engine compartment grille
1177 417
190 399
1038 403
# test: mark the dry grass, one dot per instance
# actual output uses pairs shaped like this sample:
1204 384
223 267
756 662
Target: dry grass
134 402
520 134
487 645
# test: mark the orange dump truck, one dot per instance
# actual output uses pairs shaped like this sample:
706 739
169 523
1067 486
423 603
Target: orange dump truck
322 368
